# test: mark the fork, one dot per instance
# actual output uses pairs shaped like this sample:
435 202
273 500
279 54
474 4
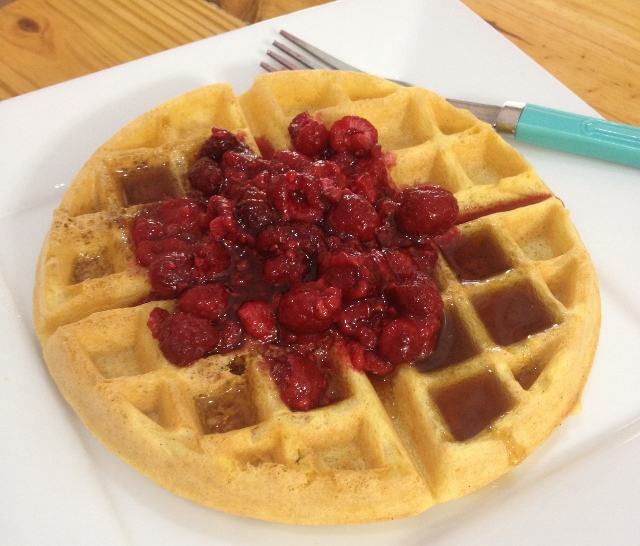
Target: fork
528 123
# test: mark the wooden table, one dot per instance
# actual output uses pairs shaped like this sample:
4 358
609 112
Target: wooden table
592 46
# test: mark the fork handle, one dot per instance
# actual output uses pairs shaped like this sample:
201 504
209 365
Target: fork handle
582 135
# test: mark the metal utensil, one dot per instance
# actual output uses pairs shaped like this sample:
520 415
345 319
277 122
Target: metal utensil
583 135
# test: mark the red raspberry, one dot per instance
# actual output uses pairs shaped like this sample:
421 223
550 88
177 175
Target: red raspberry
357 274
353 216
309 308
223 226
254 215
211 258
205 175
428 210
184 338
231 336
353 134
360 320
400 341
148 251
144 228
286 268
281 237
219 142
325 170
183 217
209 301
156 317
308 136
258 320
301 383
241 167
367 361
297 196
284 161
417 296
170 274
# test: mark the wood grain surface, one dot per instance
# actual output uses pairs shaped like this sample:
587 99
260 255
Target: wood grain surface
592 46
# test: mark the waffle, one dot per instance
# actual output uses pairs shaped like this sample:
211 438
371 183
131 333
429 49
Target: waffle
519 330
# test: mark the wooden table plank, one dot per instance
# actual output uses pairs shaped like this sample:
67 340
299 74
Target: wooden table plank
43 42
593 47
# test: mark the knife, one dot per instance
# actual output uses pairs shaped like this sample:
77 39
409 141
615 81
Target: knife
560 130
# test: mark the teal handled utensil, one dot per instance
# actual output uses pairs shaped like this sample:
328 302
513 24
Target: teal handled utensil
555 129
560 130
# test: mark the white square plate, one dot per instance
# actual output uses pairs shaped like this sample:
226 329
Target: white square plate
58 485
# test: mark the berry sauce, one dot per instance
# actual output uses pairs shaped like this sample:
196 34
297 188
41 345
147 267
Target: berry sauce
310 250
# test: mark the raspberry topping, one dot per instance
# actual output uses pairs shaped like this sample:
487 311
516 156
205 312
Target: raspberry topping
312 249
353 134
184 337
309 308
352 215
426 211
308 136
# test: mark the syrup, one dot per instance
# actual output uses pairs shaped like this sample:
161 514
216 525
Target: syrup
147 184
230 410
453 346
527 375
90 267
472 405
501 207
474 257
513 313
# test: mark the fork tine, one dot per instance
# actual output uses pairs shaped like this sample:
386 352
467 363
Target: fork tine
330 61
268 68
282 60
305 61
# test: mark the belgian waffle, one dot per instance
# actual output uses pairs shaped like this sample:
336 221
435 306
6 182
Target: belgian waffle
520 328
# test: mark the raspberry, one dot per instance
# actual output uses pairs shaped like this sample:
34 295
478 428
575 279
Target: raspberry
360 320
300 381
400 341
241 167
183 217
286 268
428 210
308 136
356 274
209 301
156 317
254 215
282 237
211 258
219 142
353 216
147 229
170 274
205 175
223 225
231 336
148 251
184 338
258 320
297 196
327 171
418 296
353 134
309 308
367 361
284 161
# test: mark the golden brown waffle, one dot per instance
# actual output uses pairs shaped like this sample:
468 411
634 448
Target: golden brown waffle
522 318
